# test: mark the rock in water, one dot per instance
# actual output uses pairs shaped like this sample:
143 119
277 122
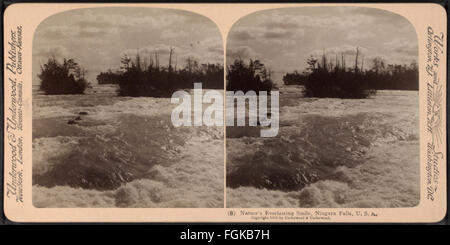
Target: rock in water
83 113
71 122
77 118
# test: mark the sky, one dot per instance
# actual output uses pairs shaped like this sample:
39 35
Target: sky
284 38
281 38
98 37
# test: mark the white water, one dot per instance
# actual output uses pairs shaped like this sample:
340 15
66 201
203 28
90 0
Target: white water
180 167
388 175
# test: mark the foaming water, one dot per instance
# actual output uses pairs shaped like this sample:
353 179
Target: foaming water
330 153
195 181
121 152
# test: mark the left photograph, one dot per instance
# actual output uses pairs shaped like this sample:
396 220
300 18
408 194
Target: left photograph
103 134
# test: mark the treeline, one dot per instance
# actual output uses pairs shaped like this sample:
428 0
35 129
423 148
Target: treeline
108 77
66 77
294 78
332 78
142 78
137 76
393 77
252 76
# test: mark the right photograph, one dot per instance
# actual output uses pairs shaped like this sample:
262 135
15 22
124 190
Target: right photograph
342 87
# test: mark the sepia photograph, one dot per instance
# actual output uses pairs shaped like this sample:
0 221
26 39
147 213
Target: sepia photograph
346 83
103 79
225 113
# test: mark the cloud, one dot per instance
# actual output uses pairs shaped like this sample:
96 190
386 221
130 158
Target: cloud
90 33
216 50
54 34
284 38
97 37
240 35
169 34
100 22
402 46
285 25
277 34
46 52
243 52
345 50
263 34
294 18
357 35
